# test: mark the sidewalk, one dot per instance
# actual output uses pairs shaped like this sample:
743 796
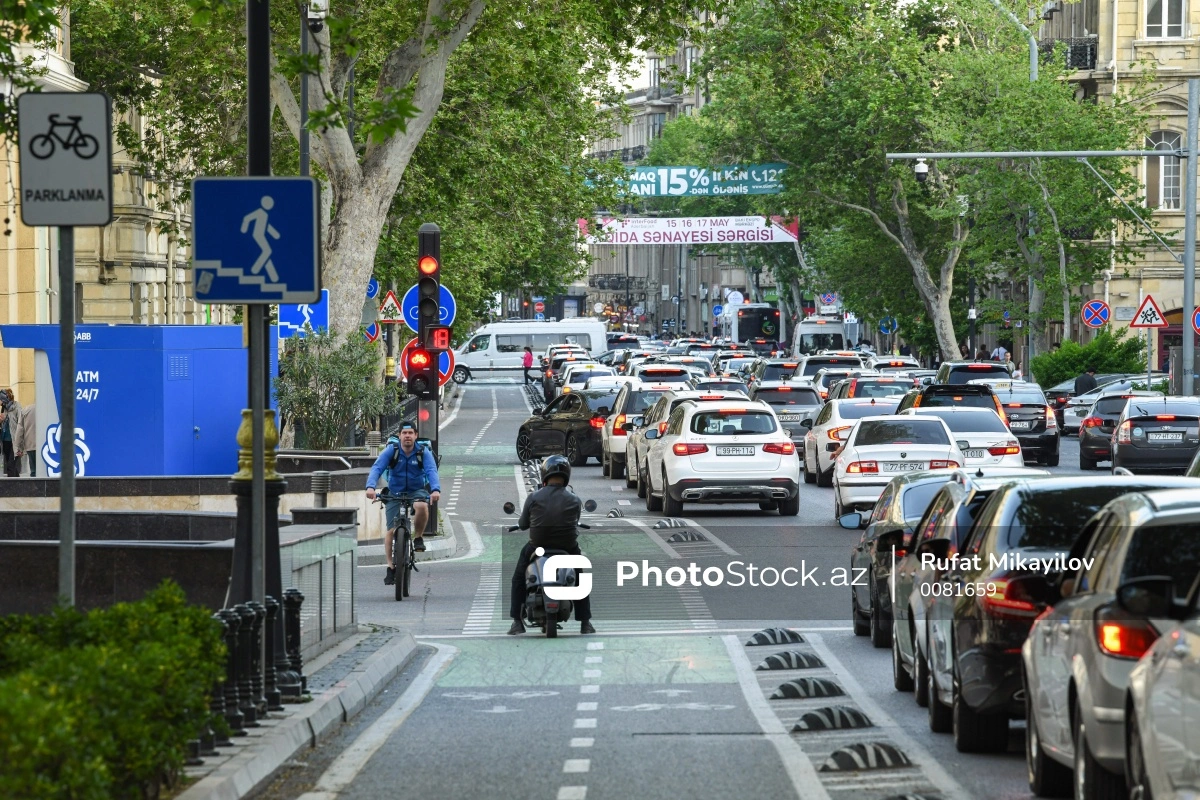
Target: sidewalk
341 681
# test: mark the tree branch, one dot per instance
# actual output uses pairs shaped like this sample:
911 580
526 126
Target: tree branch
289 109
864 210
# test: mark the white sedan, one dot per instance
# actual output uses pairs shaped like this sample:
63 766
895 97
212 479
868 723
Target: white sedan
980 434
726 451
880 448
830 429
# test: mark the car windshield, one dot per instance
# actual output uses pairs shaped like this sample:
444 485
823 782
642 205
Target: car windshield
1150 407
732 422
1031 396
788 396
917 497
900 431
581 375
1052 519
880 389
815 365
969 400
1110 405
1165 549
830 378
970 423
775 372
860 410
665 374
971 372
726 386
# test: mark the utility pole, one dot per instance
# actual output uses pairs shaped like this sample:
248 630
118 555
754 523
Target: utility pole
1189 239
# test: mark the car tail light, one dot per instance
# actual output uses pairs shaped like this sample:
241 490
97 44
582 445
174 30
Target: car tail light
618 426
1051 419
837 434
1123 432
1165 417
824 394
861 467
779 448
853 386
1092 422
943 464
1123 636
596 422
686 449
711 397
1062 401
1009 449
1012 598
662 427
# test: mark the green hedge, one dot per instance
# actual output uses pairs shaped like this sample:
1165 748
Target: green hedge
101 705
1107 353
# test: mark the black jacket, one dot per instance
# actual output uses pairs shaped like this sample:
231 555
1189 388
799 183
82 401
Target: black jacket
1085 383
550 515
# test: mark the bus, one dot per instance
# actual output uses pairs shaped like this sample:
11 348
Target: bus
751 322
815 334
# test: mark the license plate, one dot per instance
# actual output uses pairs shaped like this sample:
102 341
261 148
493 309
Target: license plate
735 451
1020 425
975 453
903 466
1164 436
789 417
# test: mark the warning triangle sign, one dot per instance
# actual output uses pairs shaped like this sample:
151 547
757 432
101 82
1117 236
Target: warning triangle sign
390 310
1148 315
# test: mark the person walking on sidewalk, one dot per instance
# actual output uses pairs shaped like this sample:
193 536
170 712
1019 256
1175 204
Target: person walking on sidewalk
1086 382
527 364
413 476
24 435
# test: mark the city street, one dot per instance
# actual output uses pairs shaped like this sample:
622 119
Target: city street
665 700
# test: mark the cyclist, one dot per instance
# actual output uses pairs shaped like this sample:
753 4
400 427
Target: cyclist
413 477
549 515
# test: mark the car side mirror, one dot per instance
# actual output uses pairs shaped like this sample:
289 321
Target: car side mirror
652 433
889 540
852 521
806 423
1153 596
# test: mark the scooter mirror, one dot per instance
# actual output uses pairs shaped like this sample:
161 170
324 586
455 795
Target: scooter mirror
589 506
509 507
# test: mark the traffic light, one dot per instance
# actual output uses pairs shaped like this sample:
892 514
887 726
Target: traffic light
422 374
437 338
429 292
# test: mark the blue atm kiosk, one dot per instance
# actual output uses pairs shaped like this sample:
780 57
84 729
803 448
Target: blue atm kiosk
149 400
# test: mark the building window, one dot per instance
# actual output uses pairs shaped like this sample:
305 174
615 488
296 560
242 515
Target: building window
1163 174
652 71
1164 19
690 56
657 121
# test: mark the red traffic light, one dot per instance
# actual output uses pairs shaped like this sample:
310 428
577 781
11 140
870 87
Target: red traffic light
419 359
427 265
438 337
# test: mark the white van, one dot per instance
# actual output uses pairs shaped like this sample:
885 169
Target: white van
497 349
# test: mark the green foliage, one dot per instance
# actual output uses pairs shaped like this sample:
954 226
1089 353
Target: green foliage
1107 353
25 22
327 382
101 705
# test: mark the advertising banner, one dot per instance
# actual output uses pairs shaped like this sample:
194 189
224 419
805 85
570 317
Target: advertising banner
704 182
689 230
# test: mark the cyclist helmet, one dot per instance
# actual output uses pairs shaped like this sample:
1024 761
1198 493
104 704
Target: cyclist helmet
556 465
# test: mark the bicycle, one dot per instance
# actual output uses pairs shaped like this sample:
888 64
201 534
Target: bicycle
403 555
85 145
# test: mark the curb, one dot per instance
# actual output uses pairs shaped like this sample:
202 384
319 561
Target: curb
280 740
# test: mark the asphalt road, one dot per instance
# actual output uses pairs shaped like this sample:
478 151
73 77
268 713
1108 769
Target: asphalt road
667 700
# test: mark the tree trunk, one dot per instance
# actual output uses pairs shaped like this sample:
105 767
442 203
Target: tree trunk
349 252
1037 303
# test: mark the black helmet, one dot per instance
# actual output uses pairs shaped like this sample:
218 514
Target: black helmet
556 465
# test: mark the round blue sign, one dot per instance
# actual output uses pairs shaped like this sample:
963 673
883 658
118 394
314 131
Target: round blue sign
372 289
408 307
829 298
540 317
717 310
1095 313
888 325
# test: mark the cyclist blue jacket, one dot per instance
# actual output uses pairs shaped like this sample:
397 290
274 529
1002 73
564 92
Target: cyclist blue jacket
411 472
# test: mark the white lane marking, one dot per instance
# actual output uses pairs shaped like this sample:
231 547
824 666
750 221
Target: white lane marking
932 768
593 659
666 632
589 688
495 415
474 543
577 765
711 537
624 502
479 617
595 646
462 390
572 793
590 722
797 765
591 673
586 706
346 767
525 397
519 476
582 741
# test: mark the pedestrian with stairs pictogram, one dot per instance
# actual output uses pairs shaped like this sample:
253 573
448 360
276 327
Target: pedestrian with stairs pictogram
262 228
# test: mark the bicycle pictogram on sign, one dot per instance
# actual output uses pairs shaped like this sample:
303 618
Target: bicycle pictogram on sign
43 145
1095 313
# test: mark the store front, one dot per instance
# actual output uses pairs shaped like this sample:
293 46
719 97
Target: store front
1172 336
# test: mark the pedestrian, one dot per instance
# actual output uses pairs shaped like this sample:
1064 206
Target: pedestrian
999 353
527 364
25 434
983 354
1017 374
966 352
1086 382
8 424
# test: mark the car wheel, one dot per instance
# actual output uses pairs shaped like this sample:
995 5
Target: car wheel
790 506
975 732
881 627
1052 460
641 483
670 506
1092 781
901 680
575 456
1135 760
1047 777
861 625
524 450
921 678
615 471
940 718
824 479
1086 463
461 375
605 464
837 505
808 476
652 503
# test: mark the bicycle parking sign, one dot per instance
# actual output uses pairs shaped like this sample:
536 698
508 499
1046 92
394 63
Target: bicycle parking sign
66 158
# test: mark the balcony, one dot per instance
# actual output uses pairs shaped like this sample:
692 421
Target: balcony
1080 52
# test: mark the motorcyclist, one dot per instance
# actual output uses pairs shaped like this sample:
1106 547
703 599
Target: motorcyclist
550 515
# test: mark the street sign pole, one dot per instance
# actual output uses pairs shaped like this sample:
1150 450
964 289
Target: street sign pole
66 422
1189 236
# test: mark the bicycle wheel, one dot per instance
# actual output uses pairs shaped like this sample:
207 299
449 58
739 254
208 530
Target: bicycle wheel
86 146
41 146
400 559
406 573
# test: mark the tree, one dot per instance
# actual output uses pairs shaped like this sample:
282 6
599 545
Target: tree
177 63
29 23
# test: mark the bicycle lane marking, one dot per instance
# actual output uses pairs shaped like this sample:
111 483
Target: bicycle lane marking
342 772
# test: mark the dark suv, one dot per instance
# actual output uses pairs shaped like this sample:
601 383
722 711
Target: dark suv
796 405
1157 434
963 396
966 371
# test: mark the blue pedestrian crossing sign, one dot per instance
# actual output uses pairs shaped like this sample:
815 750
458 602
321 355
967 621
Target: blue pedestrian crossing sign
294 318
256 240
447 308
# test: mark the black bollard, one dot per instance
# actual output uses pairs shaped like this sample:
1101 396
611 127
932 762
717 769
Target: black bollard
245 684
271 675
292 600
209 738
193 754
257 681
233 717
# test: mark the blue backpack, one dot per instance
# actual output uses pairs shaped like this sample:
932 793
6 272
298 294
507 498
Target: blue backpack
385 478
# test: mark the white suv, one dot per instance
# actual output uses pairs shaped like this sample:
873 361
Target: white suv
634 399
725 451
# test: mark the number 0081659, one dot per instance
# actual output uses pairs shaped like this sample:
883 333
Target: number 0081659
949 589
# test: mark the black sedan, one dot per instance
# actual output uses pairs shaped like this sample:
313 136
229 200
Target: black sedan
568 426
1032 420
1157 434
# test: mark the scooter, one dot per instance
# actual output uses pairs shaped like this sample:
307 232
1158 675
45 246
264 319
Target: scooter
539 608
